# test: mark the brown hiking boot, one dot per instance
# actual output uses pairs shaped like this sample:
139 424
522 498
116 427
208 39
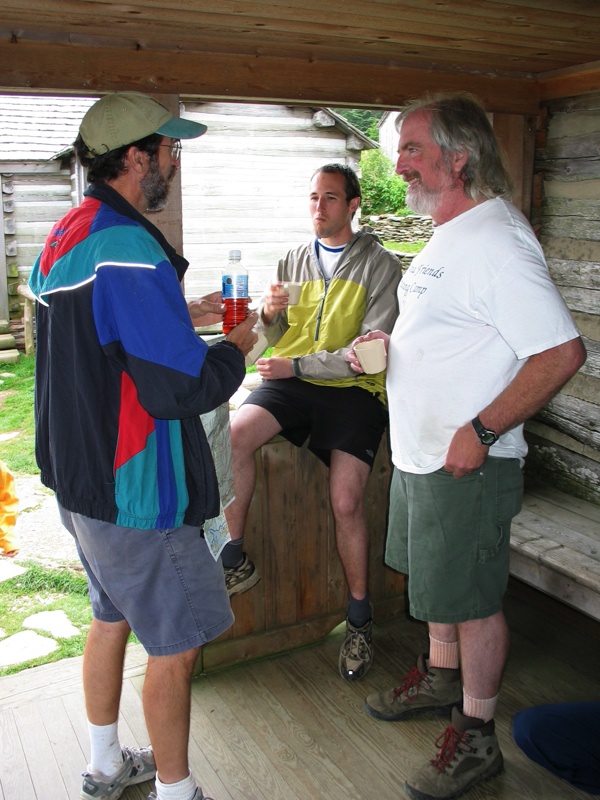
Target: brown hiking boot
469 753
423 689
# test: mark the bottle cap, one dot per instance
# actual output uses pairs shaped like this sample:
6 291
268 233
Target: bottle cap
235 255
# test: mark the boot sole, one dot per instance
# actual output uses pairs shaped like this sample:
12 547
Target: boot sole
413 712
494 769
245 585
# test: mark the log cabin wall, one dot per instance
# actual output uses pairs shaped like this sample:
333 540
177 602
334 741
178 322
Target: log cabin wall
34 195
564 438
246 184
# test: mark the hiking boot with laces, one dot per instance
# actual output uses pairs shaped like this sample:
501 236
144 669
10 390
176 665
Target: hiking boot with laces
241 578
356 652
197 795
469 753
423 689
138 766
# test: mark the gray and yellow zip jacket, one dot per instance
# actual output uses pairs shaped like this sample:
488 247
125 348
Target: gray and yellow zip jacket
361 296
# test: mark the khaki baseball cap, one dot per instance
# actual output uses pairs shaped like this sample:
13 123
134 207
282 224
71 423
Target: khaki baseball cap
124 117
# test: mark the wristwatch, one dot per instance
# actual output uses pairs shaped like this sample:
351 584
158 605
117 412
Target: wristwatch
486 436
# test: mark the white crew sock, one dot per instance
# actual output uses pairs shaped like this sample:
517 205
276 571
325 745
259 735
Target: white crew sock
106 756
182 790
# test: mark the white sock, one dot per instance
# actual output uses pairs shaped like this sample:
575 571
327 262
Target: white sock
107 756
182 790
443 654
479 708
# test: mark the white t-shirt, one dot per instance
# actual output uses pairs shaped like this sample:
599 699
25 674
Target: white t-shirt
329 257
474 305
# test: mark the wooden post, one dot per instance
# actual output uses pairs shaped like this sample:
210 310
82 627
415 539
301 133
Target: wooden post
29 297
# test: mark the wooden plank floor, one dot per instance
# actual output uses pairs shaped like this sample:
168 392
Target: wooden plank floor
289 728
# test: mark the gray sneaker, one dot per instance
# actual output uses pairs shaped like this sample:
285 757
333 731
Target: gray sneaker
197 795
138 766
469 753
423 689
356 652
239 579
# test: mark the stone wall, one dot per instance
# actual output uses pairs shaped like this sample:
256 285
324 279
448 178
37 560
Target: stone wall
408 229
412 228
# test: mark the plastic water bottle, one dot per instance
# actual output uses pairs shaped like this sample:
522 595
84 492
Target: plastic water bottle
234 292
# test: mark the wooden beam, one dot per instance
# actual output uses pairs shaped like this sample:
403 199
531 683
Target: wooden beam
581 80
39 67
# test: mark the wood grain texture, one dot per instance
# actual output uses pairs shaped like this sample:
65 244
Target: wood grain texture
289 728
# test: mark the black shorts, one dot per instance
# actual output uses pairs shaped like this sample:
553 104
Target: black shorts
349 419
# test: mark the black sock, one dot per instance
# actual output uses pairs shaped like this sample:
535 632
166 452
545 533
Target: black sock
359 611
233 553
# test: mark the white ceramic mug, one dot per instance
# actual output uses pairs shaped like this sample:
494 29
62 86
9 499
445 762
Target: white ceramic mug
371 355
293 291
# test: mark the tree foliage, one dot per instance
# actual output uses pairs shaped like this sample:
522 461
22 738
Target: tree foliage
383 192
362 118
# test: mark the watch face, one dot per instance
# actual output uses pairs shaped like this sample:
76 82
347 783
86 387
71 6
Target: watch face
488 437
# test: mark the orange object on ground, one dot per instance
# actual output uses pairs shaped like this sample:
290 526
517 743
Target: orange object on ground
8 511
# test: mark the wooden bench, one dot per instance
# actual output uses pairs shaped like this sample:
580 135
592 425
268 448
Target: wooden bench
555 547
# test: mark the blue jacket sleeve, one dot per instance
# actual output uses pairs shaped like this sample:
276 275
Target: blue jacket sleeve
144 326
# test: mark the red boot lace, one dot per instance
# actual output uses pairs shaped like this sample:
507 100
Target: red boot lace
450 743
412 680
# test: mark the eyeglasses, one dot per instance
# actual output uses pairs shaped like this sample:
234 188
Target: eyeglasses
175 149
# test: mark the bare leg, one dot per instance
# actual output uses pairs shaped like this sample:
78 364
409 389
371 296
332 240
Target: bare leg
103 670
167 702
483 650
347 485
483 647
251 427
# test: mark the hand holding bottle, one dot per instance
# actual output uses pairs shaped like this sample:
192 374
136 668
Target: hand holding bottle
243 336
235 291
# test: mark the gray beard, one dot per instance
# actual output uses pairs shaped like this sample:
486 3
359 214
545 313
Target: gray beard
155 189
421 201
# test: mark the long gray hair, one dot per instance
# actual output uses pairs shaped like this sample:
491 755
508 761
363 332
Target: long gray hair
459 124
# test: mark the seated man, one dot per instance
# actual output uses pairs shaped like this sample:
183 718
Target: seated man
349 285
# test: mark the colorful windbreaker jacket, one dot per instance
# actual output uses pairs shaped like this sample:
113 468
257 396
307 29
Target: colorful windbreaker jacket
361 296
121 377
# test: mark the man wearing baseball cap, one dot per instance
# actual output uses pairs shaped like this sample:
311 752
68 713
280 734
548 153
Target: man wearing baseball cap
121 379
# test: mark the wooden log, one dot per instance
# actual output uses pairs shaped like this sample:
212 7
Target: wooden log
569 169
571 207
578 418
7 341
558 466
9 356
584 274
586 146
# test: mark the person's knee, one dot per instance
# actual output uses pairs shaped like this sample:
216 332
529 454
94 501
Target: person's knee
526 728
346 504
247 433
178 666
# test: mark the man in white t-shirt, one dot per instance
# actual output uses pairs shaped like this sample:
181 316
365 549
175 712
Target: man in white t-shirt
483 340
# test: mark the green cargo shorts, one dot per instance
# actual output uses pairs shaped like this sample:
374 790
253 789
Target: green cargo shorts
451 537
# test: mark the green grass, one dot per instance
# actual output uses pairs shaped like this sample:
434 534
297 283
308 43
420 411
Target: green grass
16 415
41 589
405 247
266 354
